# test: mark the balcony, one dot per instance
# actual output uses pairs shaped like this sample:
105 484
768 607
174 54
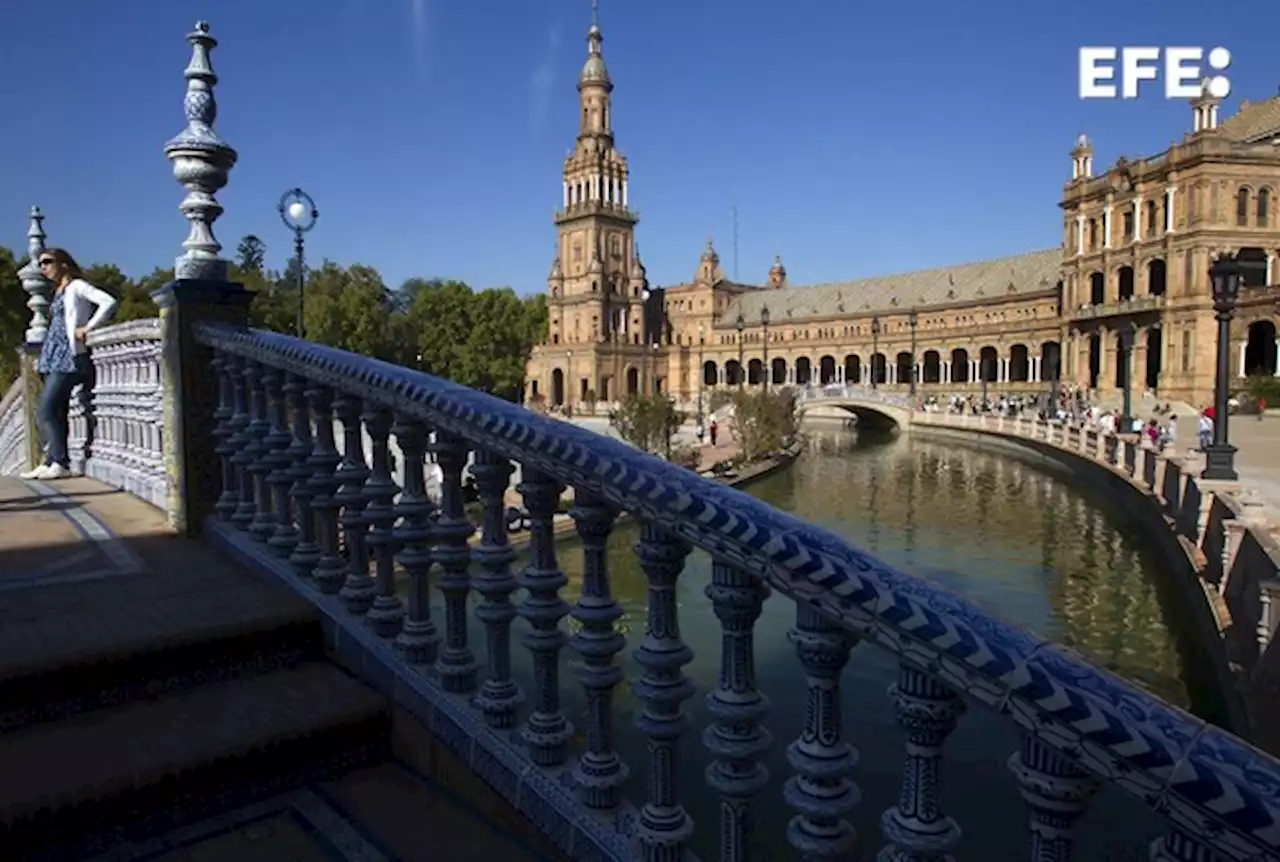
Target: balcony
1133 305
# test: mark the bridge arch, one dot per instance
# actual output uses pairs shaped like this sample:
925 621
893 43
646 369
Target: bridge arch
778 372
827 369
873 409
960 365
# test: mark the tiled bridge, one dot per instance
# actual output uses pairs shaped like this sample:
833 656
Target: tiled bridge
281 562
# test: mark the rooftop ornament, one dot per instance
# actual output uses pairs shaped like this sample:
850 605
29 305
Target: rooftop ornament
202 162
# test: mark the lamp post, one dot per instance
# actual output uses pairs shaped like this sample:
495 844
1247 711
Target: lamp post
742 325
983 364
912 320
702 369
298 212
764 323
1219 458
1126 364
875 348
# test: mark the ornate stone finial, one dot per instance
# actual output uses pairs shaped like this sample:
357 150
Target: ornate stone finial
34 282
201 162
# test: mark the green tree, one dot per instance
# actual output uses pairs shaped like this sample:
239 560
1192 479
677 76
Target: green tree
763 421
135 296
349 308
14 318
437 314
496 349
648 422
251 255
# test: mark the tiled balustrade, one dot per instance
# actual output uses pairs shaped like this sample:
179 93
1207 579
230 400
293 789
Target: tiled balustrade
117 419
339 525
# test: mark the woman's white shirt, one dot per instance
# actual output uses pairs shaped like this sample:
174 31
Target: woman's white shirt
84 305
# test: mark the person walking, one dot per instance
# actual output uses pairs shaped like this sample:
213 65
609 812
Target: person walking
77 309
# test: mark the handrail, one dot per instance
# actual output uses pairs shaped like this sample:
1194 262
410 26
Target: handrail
847 392
1169 759
13 428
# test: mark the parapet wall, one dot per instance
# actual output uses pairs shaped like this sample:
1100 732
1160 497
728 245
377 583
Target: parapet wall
1217 551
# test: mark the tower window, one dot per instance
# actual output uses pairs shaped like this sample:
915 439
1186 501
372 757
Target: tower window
1264 207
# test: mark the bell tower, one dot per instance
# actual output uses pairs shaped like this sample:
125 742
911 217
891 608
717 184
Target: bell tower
600 277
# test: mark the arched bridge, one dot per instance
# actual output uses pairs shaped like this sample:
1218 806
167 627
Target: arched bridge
871 406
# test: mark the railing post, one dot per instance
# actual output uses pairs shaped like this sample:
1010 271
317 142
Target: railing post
201 291
38 289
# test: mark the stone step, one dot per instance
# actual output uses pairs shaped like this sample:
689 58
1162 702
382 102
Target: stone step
86 783
103 650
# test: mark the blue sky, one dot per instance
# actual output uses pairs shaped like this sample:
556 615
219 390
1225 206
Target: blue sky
853 138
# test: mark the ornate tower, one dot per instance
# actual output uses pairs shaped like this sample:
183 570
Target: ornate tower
599 274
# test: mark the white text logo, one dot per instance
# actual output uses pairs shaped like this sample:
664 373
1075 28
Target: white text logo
1184 71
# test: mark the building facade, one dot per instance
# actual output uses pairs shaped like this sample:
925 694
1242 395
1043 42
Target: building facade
1138 240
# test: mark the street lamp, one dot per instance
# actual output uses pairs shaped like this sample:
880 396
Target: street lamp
1126 365
702 369
742 325
298 212
1220 456
875 348
764 323
913 319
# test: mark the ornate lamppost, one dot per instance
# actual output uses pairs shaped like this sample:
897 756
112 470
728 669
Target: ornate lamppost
298 212
875 348
912 320
702 369
1219 458
742 325
764 323
1127 333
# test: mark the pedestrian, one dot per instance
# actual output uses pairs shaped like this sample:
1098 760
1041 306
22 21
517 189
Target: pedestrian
1206 428
77 309
715 430
1262 407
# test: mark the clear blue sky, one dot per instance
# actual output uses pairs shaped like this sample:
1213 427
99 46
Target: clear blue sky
854 138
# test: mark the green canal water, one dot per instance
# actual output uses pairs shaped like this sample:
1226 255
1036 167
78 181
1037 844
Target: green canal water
1023 544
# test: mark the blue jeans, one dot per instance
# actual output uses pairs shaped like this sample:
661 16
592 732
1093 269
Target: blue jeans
55 404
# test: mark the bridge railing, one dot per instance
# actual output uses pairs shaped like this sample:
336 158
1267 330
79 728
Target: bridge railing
846 391
117 416
1234 534
13 429
336 525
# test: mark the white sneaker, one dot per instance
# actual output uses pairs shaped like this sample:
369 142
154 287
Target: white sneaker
36 473
55 471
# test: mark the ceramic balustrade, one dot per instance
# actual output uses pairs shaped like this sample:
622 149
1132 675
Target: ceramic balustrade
350 529
116 427
13 429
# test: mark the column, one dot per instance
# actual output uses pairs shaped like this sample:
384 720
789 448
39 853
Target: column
1270 262
1137 219
1079 235
973 371
200 291
1034 375
1240 359
1168 208
1106 226
946 371
565 189
1277 372
624 193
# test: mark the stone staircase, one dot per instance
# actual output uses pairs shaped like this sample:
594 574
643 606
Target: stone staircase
139 722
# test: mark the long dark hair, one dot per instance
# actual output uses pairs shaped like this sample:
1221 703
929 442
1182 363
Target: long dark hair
66 263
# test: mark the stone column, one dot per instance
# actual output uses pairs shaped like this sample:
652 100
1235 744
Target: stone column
38 291
1240 358
200 292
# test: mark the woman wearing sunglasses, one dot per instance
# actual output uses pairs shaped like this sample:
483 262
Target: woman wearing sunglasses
77 309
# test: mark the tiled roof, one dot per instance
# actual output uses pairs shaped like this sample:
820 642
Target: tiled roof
992 279
1256 122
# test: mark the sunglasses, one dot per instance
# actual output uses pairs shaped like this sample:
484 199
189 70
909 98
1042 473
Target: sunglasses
47 261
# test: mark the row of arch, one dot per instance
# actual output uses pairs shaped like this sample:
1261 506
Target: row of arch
1157 283
959 366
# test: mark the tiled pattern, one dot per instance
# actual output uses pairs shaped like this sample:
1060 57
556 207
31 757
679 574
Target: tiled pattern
1096 719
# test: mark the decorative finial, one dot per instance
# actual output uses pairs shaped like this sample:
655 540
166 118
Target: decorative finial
201 163
34 282
595 13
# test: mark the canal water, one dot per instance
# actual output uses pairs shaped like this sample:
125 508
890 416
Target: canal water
1024 544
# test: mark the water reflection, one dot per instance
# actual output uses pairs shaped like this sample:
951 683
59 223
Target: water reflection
1019 542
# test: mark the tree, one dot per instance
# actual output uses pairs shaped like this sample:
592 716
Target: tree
14 317
763 421
251 255
648 422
